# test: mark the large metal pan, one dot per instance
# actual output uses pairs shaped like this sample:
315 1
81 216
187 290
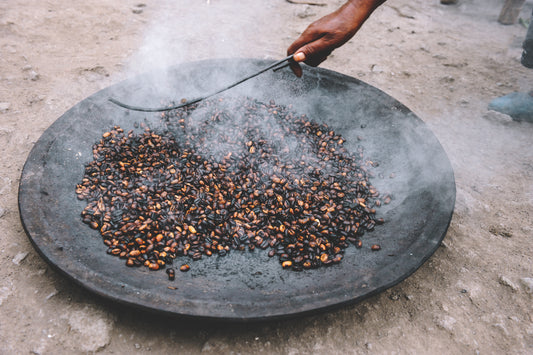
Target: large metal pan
245 286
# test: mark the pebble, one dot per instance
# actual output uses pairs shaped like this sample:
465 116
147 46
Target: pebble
19 257
138 9
51 294
4 107
377 69
91 327
501 230
36 99
446 322
497 117
4 294
447 79
2 212
308 12
5 185
503 280
394 297
34 76
527 282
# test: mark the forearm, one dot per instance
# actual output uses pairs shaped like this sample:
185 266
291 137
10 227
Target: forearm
359 11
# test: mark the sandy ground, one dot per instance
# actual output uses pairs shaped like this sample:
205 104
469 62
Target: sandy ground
445 63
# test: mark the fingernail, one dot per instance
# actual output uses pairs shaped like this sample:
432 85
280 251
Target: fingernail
299 57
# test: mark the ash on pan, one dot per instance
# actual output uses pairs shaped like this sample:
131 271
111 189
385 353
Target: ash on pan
225 175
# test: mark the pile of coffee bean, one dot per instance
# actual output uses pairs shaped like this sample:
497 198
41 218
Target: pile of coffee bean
227 175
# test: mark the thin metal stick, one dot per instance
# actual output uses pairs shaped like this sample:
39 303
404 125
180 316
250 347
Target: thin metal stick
281 67
193 101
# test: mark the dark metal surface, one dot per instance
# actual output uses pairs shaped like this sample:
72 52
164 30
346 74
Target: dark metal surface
245 285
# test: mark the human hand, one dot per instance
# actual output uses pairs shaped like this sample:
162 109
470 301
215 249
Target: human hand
321 37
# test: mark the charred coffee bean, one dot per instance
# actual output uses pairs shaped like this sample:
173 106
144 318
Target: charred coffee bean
171 274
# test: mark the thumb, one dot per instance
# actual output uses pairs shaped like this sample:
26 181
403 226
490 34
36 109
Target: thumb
299 56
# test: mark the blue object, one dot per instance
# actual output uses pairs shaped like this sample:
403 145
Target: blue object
518 105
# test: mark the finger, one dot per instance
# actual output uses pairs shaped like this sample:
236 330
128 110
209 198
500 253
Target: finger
296 69
298 44
299 57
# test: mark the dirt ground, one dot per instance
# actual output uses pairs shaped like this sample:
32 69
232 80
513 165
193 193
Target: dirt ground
445 63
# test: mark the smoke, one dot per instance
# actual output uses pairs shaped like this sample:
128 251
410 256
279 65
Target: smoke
183 32
189 51
187 31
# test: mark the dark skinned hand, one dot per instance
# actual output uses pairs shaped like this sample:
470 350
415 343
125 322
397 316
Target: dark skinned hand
330 32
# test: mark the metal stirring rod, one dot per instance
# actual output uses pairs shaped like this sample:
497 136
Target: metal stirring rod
193 101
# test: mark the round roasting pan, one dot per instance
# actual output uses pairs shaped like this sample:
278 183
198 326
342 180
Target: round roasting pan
245 286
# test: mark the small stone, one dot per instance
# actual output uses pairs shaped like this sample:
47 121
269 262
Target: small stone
376 69
4 294
498 117
34 76
19 257
447 79
527 282
440 57
36 99
501 230
51 294
90 329
368 346
394 297
503 280
446 323
4 107
137 346
2 212
27 67
307 12
138 9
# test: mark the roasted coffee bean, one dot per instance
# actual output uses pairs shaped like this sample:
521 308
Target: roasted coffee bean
171 274
229 174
